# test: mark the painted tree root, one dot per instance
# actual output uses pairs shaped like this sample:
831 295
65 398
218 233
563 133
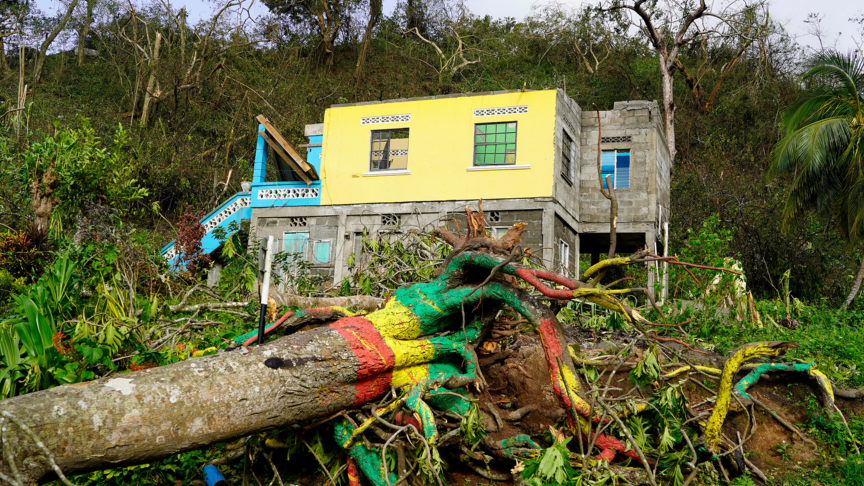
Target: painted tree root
151 414
724 392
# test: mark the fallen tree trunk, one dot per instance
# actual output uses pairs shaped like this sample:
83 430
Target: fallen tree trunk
362 302
147 415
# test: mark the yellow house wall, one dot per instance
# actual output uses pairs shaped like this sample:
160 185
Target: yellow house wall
441 147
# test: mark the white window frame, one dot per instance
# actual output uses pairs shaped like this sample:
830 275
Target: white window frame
495 229
564 257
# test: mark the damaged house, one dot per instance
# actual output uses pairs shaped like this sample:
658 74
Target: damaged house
410 163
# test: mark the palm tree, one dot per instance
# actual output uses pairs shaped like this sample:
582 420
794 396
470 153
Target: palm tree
823 149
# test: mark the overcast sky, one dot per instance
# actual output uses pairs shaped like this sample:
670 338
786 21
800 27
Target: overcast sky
792 13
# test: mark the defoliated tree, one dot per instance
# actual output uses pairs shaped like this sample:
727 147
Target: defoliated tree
823 149
327 16
671 26
49 38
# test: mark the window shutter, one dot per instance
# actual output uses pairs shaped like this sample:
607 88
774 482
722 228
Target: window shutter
607 167
296 243
322 251
622 174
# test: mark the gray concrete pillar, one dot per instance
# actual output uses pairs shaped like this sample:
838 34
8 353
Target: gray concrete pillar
578 254
651 245
342 249
548 231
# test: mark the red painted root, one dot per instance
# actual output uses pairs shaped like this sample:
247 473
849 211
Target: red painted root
530 276
376 358
353 473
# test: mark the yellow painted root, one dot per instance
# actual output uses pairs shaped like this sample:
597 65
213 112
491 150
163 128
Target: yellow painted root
371 420
827 389
724 393
606 263
706 369
573 386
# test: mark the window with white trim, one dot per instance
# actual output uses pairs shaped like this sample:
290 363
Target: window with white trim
563 257
498 232
389 150
616 163
495 144
321 252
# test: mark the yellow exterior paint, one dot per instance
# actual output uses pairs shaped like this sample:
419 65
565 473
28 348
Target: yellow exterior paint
441 147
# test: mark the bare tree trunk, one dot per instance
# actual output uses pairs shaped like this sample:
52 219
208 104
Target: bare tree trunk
85 29
147 415
3 65
856 285
43 49
148 95
668 105
374 14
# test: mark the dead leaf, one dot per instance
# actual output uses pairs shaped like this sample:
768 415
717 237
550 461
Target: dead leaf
490 347
556 434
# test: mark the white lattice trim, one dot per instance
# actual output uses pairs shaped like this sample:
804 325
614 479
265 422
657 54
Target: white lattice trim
625 138
393 153
507 110
170 254
214 221
288 193
372 120
226 213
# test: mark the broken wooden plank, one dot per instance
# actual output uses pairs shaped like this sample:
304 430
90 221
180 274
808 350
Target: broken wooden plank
277 137
281 153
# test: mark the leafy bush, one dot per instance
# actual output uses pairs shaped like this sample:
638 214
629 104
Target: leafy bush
85 169
21 257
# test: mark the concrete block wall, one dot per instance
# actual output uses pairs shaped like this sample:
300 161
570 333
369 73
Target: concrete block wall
635 119
319 228
568 117
533 234
564 232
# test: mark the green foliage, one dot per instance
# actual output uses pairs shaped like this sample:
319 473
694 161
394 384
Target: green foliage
833 431
21 260
183 467
35 323
86 171
471 427
388 260
647 369
822 146
551 467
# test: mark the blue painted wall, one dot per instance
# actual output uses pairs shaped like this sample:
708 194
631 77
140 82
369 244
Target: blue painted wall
313 158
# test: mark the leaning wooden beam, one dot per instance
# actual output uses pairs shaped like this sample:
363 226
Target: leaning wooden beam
307 168
281 153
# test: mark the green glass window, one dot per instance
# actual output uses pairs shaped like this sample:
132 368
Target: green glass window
495 143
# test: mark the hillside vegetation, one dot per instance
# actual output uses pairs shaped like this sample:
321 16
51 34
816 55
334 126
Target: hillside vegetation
104 159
